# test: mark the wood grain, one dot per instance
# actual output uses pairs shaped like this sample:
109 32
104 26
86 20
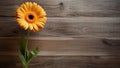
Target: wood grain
104 27
68 8
78 34
64 46
63 62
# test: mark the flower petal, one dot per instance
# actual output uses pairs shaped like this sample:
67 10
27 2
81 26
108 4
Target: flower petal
42 19
31 8
30 26
35 27
40 25
23 23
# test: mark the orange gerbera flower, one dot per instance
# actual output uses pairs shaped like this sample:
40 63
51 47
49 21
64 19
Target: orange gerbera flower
31 16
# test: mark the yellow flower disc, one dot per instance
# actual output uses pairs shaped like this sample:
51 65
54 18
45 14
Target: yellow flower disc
31 16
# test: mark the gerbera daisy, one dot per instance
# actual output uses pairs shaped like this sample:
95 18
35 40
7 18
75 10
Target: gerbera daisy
31 16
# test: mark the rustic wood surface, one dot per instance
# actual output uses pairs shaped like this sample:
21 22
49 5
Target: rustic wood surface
104 27
63 62
68 7
64 46
78 34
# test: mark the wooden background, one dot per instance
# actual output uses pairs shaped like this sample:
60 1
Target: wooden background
78 34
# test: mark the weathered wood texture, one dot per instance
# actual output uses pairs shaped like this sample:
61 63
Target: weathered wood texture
78 34
64 52
64 62
64 46
67 7
104 27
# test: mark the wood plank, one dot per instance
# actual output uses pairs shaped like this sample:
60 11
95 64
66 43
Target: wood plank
103 27
63 62
68 8
64 46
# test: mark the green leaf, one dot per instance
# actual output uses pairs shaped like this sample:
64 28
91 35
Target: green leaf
23 50
22 58
33 54
23 45
25 55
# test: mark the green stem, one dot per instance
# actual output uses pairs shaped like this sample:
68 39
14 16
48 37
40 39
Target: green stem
25 66
25 55
26 49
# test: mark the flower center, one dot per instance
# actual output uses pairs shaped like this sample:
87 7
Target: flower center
30 17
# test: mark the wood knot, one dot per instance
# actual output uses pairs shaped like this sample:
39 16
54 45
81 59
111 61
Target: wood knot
61 3
111 42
